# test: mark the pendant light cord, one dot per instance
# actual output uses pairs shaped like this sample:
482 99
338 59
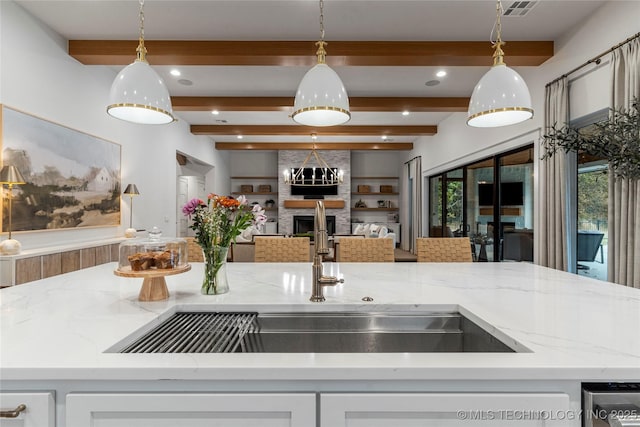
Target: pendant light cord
141 50
498 55
321 20
321 52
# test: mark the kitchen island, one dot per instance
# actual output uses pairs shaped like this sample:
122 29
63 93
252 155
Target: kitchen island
58 334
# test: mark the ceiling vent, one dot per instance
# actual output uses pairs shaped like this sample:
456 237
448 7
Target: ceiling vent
520 8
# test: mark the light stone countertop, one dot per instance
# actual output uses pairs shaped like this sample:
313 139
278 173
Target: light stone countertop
574 328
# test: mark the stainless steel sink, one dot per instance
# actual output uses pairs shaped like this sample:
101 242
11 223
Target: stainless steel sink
317 333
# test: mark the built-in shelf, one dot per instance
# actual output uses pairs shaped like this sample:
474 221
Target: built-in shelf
255 193
372 194
254 177
375 209
374 177
311 204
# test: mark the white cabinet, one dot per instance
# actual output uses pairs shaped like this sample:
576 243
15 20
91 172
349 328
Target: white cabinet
190 410
447 410
39 409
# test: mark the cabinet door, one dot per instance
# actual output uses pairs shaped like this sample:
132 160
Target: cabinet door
190 410
39 409
447 410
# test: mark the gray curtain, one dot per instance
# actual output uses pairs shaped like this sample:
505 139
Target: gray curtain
624 194
551 249
412 203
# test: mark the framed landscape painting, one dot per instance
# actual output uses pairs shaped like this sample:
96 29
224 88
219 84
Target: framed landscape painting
72 178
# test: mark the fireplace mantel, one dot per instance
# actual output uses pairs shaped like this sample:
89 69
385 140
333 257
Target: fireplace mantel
311 204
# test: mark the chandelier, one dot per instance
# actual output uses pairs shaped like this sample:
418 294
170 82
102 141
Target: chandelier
501 97
322 174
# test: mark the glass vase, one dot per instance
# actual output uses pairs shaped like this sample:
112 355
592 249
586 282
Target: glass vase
215 271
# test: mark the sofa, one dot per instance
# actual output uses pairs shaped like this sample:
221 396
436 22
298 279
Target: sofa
375 231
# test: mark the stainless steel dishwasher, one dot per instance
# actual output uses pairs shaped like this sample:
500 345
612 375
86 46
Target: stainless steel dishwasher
611 404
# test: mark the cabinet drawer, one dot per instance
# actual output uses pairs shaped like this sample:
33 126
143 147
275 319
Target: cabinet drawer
190 410
39 411
447 410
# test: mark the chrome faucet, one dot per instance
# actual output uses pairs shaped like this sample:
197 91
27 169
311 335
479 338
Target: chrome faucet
321 244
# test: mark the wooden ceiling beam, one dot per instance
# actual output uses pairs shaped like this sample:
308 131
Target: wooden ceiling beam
384 146
357 104
302 53
347 130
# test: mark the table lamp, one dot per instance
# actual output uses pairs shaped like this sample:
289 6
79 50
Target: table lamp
131 190
11 176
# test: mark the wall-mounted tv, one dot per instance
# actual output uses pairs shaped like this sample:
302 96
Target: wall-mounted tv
313 184
511 194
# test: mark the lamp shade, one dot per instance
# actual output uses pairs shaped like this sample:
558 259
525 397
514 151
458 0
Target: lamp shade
131 190
500 98
321 99
139 95
10 175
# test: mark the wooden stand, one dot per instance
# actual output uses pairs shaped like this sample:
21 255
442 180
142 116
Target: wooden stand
154 287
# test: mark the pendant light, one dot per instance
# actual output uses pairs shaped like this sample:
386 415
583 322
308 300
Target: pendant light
138 94
321 99
501 97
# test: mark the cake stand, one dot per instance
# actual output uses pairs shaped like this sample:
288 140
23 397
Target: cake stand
154 287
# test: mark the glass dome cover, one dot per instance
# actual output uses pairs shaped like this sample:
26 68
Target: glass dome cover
152 253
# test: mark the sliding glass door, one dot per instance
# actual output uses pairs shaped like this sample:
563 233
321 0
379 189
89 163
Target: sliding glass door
516 206
491 202
479 206
446 205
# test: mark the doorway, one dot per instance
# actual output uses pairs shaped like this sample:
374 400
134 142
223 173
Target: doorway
189 187
192 178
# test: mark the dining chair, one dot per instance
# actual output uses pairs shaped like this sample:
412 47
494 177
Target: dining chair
194 251
443 249
353 249
334 244
277 249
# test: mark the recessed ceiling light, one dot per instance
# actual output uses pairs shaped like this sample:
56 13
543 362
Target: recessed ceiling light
185 82
405 113
215 112
441 73
432 83
384 137
175 72
314 136
239 136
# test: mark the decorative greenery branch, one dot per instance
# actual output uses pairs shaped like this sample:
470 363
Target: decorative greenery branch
616 139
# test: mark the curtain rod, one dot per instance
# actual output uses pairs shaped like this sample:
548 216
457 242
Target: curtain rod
596 59
409 161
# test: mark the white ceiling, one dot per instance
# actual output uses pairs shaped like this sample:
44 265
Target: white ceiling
357 20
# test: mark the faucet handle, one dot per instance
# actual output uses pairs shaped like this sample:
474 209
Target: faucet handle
330 280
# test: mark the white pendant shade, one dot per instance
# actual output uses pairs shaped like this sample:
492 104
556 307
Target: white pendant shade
500 98
321 99
139 95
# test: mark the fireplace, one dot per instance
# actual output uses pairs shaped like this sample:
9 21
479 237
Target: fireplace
304 224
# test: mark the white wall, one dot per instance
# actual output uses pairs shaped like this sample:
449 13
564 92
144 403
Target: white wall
40 78
254 163
375 163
